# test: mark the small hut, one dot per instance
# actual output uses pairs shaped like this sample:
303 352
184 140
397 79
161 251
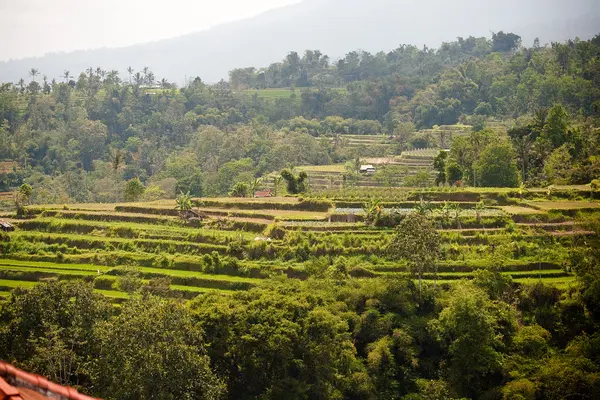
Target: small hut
5 226
263 194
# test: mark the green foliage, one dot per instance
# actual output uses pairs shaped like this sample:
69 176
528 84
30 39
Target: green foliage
496 166
134 189
440 165
50 329
183 202
164 358
417 241
240 189
295 183
471 324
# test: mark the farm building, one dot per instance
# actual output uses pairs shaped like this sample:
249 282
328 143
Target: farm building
6 226
263 194
367 169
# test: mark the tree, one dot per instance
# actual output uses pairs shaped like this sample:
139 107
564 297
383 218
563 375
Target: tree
295 183
33 72
454 173
153 350
496 166
288 345
417 241
49 329
556 127
240 189
439 163
471 325
134 189
558 166
130 72
25 190
505 42
183 202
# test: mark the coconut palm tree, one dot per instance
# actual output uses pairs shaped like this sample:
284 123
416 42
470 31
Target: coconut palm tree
33 72
21 84
130 71
164 84
67 75
150 78
138 78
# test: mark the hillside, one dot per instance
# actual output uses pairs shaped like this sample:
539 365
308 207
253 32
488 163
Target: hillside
333 26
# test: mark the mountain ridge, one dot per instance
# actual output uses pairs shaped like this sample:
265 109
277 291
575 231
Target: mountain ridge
333 26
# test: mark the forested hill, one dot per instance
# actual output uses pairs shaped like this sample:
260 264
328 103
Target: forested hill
333 26
83 137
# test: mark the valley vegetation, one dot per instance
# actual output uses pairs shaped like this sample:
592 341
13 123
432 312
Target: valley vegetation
467 266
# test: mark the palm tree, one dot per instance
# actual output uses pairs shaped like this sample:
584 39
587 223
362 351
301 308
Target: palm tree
164 84
138 78
145 71
100 72
150 78
21 84
33 72
67 75
130 70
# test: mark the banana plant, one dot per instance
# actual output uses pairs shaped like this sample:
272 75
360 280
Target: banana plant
479 207
423 207
457 211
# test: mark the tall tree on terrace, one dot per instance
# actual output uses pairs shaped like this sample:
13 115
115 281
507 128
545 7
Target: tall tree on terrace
67 75
416 241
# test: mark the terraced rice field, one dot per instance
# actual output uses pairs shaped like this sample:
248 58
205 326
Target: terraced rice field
241 243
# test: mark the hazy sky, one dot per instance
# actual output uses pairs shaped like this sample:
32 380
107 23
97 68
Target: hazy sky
35 27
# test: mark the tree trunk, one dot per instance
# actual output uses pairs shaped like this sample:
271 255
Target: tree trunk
420 282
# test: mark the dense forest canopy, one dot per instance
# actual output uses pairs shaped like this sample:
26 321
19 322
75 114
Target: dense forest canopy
82 137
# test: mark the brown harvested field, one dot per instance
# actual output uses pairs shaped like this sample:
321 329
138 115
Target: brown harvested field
519 210
282 214
286 200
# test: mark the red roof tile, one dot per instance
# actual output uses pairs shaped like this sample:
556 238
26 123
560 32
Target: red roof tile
20 385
